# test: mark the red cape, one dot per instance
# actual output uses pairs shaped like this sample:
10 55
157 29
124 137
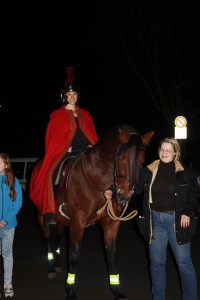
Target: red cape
59 136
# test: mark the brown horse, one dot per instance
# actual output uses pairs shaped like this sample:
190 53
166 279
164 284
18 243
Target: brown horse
113 163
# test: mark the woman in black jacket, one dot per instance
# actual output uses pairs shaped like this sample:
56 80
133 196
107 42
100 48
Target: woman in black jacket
169 216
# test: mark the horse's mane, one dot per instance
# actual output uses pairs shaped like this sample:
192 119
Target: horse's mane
129 128
134 140
115 130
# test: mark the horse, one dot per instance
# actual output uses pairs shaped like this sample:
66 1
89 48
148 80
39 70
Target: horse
96 187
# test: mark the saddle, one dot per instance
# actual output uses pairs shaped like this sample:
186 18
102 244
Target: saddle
64 172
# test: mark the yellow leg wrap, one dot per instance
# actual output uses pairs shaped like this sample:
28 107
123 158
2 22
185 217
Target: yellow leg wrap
114 279
50 256
70 278
58 251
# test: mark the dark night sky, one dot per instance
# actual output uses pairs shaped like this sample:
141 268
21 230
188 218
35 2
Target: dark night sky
40 38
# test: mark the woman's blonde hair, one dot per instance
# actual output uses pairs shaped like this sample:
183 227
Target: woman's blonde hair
10 175
175 145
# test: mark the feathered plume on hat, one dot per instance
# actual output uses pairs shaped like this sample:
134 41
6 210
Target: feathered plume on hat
69 84
69 75
69 81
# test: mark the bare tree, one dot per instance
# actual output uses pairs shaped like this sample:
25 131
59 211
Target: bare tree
158 44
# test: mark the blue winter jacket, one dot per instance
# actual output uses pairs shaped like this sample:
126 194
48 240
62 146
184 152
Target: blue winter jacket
9 208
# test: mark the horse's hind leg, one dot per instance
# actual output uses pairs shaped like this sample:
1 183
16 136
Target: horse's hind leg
53 249
110 235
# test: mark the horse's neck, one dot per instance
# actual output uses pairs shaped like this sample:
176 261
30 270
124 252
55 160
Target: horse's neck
99 165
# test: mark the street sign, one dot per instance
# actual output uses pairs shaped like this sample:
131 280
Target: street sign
180 128
180 122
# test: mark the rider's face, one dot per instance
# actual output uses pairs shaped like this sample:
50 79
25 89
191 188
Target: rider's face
72 97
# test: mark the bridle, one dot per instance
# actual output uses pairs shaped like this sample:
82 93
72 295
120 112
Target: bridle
128 177
134 146
134 152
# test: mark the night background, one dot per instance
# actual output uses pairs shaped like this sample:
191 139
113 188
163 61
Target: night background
136 62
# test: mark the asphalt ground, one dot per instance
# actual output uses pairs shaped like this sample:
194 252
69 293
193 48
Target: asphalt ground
92 283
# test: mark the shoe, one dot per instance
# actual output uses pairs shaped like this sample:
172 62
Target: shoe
8 291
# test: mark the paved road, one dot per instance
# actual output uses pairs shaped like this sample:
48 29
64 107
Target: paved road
30 282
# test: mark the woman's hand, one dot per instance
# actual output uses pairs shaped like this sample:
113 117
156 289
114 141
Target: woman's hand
108 194
185 221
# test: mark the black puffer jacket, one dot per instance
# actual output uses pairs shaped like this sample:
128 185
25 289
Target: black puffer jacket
186 192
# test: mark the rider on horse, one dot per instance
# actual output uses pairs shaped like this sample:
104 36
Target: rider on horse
70 131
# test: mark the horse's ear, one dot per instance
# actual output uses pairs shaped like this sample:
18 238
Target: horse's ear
124 135
146 138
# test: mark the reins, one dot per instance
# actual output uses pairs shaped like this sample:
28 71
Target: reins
111 213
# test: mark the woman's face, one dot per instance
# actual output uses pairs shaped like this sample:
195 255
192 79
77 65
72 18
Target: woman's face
2 167
72 97
166 152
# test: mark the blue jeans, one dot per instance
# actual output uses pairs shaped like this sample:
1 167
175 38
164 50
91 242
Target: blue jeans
6 249
163 232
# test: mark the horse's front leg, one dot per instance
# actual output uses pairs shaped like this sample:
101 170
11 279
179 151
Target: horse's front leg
76 234
110 235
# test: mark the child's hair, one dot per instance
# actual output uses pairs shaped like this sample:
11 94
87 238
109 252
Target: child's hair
10 175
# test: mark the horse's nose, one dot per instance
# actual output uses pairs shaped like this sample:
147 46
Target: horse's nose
125 195
122 198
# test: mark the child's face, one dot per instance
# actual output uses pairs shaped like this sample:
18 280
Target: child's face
2 167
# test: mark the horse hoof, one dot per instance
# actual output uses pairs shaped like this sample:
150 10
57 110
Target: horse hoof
71 295
51 275
119 295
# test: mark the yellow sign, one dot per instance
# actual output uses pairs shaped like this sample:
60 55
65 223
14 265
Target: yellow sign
180 122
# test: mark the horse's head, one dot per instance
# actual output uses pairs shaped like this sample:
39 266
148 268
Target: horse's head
129 159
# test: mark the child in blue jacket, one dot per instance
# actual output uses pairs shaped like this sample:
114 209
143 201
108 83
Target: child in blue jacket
10 204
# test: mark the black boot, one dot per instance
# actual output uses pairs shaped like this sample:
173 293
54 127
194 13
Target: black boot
49 219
